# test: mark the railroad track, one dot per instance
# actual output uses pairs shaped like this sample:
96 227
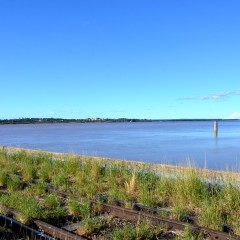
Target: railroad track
40 229
139 213
21 229
172 225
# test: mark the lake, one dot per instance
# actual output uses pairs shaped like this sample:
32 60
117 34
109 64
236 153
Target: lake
170 142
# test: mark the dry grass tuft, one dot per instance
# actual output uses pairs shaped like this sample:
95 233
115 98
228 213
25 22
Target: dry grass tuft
131 186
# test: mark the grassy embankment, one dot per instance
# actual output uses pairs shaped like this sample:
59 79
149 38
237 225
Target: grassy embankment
84 177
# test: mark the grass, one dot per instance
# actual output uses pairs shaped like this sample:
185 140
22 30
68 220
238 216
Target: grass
14 183
3 178
90 225
27 206
189 235
185 193
77 209
52 201
141 231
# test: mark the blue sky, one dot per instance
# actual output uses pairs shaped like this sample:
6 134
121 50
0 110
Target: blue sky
155 59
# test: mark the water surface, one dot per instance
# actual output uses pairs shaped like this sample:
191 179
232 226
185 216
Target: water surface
176 143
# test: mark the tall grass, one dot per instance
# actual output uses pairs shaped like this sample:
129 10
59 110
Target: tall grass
27 206
185 193
141 231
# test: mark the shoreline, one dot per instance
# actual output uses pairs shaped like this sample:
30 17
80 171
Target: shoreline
100 120
222 175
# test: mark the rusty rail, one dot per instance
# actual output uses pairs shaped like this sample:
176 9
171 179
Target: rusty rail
19 227
154 211
134 215
46 227
57 232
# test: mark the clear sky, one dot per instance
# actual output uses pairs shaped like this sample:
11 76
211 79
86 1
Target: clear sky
155 59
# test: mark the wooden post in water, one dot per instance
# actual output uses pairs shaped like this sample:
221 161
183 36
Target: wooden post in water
215 128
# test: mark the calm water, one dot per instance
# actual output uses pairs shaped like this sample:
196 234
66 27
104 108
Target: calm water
158 142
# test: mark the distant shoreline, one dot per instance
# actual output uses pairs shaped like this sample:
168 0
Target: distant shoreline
96 120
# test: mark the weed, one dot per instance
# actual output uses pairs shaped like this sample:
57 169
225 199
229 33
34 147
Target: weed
141 231
125 233
61 180
189 235
211 214
3 178
27 207
29 173
183 193
77 208
54 215
90 225
145 231
14 183
36 190
131 186
45 170
147 189
52 201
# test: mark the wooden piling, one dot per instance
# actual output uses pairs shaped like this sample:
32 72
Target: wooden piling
215 128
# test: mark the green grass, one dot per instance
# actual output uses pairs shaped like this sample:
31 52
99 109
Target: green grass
27 206
77 209
83 178
141 231
90 225
3 178
52 201
14 183
189 235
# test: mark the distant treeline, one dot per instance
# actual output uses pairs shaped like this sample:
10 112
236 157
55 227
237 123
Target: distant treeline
62 120
89 120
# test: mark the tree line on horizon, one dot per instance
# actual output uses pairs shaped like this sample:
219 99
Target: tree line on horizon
90 120
63 120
